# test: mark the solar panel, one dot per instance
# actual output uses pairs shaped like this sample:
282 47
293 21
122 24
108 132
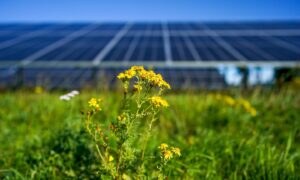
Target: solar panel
106 30
4 38
23 27
148 48
26 48
206 49
248 48
224 26
145 29
253 25
261 48
146 26
64 30
272 25
184 26
209 49
110 27
81 48
137 48
72 27
295 40
180 50
123 50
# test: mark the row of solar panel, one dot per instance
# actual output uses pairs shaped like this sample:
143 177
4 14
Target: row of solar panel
150 48
21 32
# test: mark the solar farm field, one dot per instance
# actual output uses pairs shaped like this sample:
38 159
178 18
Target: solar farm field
43 137
134 100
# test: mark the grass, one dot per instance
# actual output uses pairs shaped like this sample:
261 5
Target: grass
42 137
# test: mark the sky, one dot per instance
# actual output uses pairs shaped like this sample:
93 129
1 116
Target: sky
143 10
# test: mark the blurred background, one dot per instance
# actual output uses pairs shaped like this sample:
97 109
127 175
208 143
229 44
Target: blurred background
201 44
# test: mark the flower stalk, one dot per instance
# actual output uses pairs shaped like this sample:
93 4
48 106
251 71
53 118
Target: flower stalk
119 145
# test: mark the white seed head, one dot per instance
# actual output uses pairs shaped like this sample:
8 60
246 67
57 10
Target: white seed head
75 92
64 98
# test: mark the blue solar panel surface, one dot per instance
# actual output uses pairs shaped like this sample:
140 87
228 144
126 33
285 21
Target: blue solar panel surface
79 49
151 42
27 47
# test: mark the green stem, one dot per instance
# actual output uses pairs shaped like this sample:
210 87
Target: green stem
99 152
147 137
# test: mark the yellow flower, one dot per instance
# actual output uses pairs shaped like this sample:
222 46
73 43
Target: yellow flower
163 146
121 76
166 85
167 154
125 177
248 107
38 90
229 100
252 111
150 76
137 68
128 74
244 103
137 88
144 74
121 118
157 80
110 158
95 103
176 151
158 102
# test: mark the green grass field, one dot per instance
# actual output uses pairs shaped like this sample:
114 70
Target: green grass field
42 137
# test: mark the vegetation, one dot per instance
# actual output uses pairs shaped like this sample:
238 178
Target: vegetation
121 143
221 135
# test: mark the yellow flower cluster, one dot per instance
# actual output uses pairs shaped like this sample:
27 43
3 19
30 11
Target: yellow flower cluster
227 99
126 75
176 151
155 80
167 153
158 102
149 76
239 102
121 118
163 146
95 103
248 107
